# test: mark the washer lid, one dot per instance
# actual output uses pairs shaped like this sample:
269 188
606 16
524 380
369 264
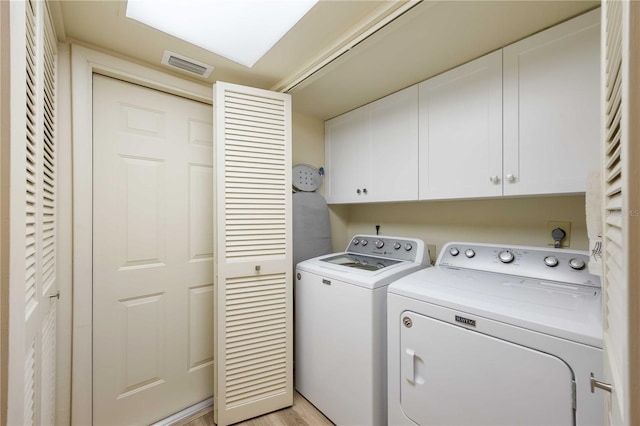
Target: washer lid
306 178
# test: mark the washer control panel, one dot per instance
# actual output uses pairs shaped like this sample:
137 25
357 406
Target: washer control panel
568 266
410 249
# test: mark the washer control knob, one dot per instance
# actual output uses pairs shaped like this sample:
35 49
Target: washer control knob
469 253
454 251
355 242
379 244
408 247
576 263
364 242
551 261
506 256
397 245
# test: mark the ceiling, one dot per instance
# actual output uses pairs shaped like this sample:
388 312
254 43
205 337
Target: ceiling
430 38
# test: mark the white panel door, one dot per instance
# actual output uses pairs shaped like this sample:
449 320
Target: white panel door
552 109
153 253
253 286
461 131
461 377
392 126
33 286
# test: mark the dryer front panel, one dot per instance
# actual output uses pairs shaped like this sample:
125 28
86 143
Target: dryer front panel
453 375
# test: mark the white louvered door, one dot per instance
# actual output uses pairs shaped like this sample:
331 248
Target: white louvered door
253 283
621 20
32 361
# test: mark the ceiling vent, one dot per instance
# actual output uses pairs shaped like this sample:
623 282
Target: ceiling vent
189 65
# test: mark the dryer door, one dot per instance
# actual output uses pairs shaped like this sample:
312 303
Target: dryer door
451 375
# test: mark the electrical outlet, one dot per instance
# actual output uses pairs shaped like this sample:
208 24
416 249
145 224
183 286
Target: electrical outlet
562 224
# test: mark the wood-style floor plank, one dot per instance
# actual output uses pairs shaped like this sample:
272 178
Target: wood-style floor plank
302 413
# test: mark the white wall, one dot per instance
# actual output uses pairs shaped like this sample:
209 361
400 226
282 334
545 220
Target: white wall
308 148
520 221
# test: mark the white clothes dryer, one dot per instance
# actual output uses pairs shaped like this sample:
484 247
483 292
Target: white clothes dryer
340 325
496 335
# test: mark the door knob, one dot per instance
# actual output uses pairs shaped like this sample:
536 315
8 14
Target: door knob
510 178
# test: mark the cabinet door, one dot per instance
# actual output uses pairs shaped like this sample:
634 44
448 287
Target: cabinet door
461 131
347 157
393 145
551 108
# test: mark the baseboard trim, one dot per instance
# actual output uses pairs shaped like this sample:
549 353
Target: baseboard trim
181 415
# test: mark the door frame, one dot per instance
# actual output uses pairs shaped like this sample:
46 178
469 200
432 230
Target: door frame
84 63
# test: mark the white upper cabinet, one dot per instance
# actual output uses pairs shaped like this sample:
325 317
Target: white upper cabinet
461 131
523 120
372 152
347 157
552 108
393 145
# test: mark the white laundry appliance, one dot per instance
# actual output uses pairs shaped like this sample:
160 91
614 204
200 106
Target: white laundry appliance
340 325
496 335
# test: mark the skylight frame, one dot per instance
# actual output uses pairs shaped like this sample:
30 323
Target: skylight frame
242 31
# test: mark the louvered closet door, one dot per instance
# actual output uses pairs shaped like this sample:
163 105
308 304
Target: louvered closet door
253 285
32 374
621 22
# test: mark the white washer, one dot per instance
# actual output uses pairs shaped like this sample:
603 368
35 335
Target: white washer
496 335
340 325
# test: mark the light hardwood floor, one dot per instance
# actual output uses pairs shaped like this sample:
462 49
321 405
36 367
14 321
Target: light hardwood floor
302 413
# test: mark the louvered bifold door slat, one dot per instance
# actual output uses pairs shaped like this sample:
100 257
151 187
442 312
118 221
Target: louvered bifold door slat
33 211
614 280
253 286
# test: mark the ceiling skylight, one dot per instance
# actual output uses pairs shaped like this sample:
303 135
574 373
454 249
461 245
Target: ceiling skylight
240 30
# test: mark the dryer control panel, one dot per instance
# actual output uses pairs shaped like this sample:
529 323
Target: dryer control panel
567 266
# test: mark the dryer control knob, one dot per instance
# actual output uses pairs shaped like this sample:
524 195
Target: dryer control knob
551 261
397 245
355 242
408 247
469 253
364 242
506 256
379 244
454 251
576 263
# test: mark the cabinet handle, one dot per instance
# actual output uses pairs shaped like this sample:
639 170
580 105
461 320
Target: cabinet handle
358 191
364 191
494 179
510 178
